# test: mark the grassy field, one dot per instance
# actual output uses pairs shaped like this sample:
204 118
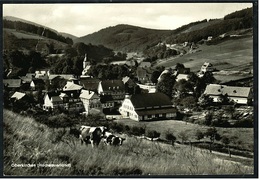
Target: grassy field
244 135
29 142
229 55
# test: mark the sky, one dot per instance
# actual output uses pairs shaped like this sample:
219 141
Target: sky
83 19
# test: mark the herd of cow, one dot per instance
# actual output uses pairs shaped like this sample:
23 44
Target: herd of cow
94 135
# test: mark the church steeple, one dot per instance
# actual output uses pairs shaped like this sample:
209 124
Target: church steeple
85 61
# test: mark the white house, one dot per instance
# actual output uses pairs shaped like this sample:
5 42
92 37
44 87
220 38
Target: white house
90 101
150 106
207 67
240 95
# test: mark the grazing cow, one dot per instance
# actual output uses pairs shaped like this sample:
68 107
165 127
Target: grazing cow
111 139
92 134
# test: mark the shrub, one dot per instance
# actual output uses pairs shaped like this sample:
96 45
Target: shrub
126 171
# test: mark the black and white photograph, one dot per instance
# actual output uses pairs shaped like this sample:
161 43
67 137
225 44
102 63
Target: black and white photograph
130 89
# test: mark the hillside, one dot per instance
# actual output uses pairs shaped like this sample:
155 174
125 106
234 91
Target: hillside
131 38
25 35
29 142
125 37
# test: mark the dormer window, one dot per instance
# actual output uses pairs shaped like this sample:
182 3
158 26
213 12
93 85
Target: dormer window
234 91
219 90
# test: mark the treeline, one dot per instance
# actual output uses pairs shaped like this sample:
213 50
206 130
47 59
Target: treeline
239 20
41 31
187 26
245 13
21 63
214 30
158 52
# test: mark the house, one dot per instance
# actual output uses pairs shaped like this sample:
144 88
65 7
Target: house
144 74
12 83
90 101
52 77
207 67
17 96
42 74
72 87
53 100
142 107
27 78
145 65
112 93
60 100
37 84
240 95
182 76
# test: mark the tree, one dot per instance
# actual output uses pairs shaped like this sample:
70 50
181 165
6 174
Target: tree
225 140
153 134
224 99
166 84
199 135
183 136
205 101
155 76
189 102
208 118
170 137
213 135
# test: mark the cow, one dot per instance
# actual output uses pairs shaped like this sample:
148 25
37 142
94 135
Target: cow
111 139
92 134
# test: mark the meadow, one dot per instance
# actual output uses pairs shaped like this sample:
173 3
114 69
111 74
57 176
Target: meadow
233 54
29 142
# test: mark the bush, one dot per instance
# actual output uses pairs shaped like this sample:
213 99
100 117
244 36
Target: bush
127 171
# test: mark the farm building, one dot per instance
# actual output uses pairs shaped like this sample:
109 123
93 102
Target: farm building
240 95
12 83
142 107
182 76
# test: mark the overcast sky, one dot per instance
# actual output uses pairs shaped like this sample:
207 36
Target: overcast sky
83 19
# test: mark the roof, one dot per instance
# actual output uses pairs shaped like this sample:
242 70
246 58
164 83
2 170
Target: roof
63 95
145 64
52 94
38 81
86 94
150 100
207 64
12 83
182 76
216 89
113 85
89 83
18 95
70 86
65 76
156 111
56 98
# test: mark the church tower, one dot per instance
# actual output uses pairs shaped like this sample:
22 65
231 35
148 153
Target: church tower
85 61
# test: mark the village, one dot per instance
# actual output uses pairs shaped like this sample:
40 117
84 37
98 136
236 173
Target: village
139 99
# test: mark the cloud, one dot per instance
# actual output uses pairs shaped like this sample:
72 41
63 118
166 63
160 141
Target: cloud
82 19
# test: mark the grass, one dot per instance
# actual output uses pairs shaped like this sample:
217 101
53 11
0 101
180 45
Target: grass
244 135
229 55
26 141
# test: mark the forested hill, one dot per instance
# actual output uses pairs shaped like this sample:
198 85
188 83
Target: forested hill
133 38
19 27
125 37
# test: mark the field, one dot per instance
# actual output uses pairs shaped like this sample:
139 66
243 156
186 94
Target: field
29 142
234 54
245 135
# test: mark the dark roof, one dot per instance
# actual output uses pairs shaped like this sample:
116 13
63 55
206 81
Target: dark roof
113 85
150 100
156 111
12 83
38 81
89 83
53 93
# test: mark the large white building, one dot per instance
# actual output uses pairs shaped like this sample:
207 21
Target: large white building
150 106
